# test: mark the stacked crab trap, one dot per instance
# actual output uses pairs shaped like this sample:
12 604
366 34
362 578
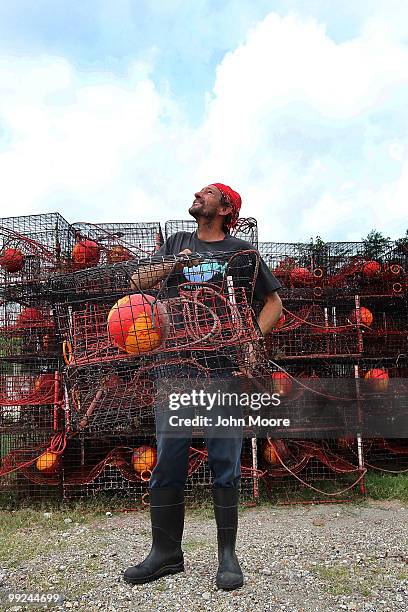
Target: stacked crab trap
134 333
32 249
341 345
97 332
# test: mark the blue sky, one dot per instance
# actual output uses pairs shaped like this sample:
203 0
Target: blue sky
186 38
120 110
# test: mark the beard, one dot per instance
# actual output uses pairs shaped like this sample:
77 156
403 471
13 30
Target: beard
197 210
193 211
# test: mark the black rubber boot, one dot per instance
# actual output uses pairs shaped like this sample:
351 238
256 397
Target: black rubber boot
229 575
166 556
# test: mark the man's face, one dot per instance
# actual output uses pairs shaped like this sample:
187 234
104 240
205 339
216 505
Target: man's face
208 203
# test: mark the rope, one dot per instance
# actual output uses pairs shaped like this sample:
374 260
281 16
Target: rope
36 247
310 486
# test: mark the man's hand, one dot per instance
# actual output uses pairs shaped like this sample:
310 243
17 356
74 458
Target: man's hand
249 358
188 262
268 317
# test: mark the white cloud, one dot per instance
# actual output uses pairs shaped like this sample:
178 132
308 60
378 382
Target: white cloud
295 118
70 132
312 132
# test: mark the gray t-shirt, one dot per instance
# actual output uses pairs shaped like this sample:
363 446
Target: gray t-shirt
242 267
230 257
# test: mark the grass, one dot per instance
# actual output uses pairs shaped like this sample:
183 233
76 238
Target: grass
50 518
378 487
14 548
340 580
30 542
337 579
160 586
30 539
22 531
402 575
387 486
101 502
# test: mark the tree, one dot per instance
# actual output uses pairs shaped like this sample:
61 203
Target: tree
375 245
402 243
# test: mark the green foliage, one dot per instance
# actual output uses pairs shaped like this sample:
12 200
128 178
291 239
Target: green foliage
314 252
317 244
387 486
402 243
375 245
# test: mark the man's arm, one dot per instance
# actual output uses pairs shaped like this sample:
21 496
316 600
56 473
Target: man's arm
270 313
268 317
148 276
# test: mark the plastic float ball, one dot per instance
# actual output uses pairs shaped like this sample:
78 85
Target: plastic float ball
282 383
118 253
12 260
144 459
48 462
86 253
271 452
366 316
30 316
371 269
378 379
301 276
137 326
44 383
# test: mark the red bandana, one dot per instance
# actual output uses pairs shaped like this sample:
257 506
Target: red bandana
234 199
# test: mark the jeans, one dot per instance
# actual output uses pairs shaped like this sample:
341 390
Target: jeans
224 454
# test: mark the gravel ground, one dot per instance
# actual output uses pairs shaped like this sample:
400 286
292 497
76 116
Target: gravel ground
319 558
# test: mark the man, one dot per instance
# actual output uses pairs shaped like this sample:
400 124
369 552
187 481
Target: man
216 209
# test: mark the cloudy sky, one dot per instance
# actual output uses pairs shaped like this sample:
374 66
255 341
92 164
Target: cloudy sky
118 110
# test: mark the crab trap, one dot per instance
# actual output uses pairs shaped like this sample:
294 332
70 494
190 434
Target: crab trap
386 456
344 266
385 325
311 470
387 451
30 466
299 265
122 467
108 466
31 249
318 328
109 399
202 307
27 332
115 242
321 399
326 399
200 476
30 397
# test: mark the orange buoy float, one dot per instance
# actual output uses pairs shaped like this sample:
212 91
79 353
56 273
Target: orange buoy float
137 324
